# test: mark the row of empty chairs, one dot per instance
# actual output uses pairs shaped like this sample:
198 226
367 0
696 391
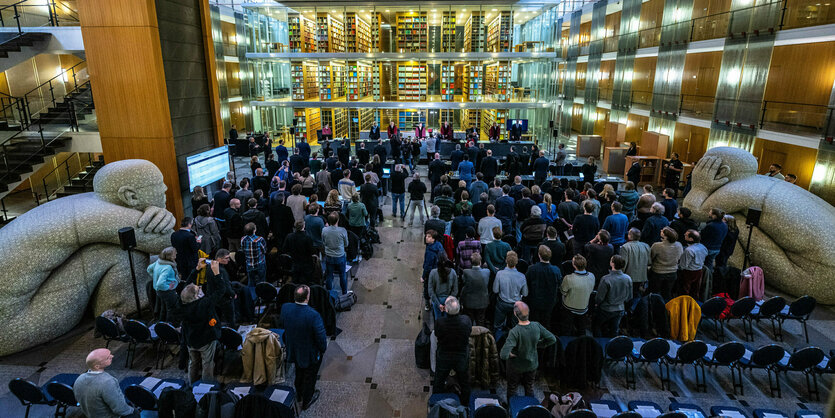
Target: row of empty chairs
748 310
647 409
487 405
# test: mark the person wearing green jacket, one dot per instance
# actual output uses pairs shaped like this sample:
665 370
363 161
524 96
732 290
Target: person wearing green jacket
520 350
356 215
496 251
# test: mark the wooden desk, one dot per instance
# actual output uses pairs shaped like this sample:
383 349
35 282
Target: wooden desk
650 168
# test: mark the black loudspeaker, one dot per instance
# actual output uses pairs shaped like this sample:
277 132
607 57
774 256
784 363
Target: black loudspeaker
294 122
127 238
753 217
292 130
551 124
556 132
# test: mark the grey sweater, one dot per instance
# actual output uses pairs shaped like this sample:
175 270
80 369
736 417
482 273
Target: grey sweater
636 254
614 289
474 293
335 239
510 285
99 395
665 256
437 288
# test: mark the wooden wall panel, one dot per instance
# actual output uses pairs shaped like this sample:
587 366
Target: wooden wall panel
701 73
211 68
690 142
643 74
124 59
580 76
796 160
801 73
652 13
635 125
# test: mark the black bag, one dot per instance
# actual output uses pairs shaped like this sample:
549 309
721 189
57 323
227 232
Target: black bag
176 403
422 348
373 235
217 404
345 302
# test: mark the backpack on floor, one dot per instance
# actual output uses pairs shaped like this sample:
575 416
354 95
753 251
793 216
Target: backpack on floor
343 302
176 403
217 404
366 246
423 345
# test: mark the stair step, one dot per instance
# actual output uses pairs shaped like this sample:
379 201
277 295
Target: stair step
77 189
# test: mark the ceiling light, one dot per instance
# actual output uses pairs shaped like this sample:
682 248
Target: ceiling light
495 10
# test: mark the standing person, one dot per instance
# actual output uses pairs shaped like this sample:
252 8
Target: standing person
494 192
346 186
254 248
466 248
297 203
489 167
374 132
97 391
335 239
713 235
258 218
629 199
690 265
540 168
243 194
544 281
394 143
343 153
417 190
613 291
455 157
486 226
682 223
281 152
576 289
363 155
474 292
561 154
431 256
198 198
617 224
431 145
369 195
187 243
453 333
664 256
164 278
516 131
206 227
233 228
599 254
506 209
466 170
654 224
670 204
521 350
673 172
446 203
495 252
443 282
356 214
584 227
233 136
554 244
304 151
220 200
494 133
398 191
201 326
299 245
477 188
729 243
774 170
589 169
297 162
306 342
510 286
637 259
634 173
434 223
436 171
446 131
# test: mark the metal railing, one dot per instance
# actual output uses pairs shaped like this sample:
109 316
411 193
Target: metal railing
801 117
63 174
39 13
696 104
48 93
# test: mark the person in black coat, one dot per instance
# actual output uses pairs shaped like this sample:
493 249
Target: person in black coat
394 142
437 168
281 218
374 132
344 153
304 150
544 280
363 155
220 200
201 325
634 173
456 156
186 244
299 246
489 167
369 194
307 340
297 163
233 227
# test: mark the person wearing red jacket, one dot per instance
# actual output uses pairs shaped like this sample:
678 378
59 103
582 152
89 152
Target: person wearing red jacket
392 130
446 131
494 132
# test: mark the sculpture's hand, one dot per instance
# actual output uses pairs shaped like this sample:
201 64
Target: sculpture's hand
705 174
156 220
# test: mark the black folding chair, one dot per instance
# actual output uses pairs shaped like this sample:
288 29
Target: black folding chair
692 352
655 351
534 411
581 413
141 398
230 340
805 360
620 349
767 357
168 337
28 394
729 354
627 414
741 309
285 265
266 294
63 395
769 310
109 331
800 310
138 333
711 310
490 411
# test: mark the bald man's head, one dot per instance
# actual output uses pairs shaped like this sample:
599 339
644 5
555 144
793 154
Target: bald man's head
99 359
521 310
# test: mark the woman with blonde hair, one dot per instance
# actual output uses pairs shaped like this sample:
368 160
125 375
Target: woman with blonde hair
198 198
165 280
536 194
332 203
549 210
254 164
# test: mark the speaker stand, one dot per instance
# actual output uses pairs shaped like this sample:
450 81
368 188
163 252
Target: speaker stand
135 286
747 261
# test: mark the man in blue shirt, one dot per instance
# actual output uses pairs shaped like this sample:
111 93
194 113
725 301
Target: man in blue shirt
670 204
466 170
617 224
506 208
540 168
306 342
713 234
510 287
255 252
281 153
477 188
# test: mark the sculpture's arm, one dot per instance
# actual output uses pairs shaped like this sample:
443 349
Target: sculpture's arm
708 175
99 221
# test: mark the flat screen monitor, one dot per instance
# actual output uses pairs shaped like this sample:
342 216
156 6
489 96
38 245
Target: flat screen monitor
207 167
523 122
386 170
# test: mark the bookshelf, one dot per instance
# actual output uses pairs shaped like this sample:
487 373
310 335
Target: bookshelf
412 32
488 116
650 168
330 34
302 33
407 119
360 81
357 33
375 81
497 81
331 81
498 33
473 83
411 82
308 121
447 83
474 33
338 120
376 19
361 120
304 80
448 32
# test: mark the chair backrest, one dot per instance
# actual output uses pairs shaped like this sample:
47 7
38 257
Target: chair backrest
654 349
767 355
137 331
522 266
627 414
803 306
743 306
107 327
674 414
806 358
690 409
691 351
729 353
534 411
566 268
719 411
772 306
62 393
167 333
581 413
619 347
141 397
266 291
230 338
490 411
26 391
714 307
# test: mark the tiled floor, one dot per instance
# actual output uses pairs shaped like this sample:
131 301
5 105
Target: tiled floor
369 367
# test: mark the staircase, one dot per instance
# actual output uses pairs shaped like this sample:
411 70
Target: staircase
82 182
25 39
76 104
23 155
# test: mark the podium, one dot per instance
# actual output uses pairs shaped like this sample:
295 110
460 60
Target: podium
589 146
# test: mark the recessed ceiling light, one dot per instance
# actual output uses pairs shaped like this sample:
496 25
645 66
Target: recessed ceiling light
495 10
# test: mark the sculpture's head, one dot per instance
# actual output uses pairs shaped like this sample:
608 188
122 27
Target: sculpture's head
737 163
133 183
